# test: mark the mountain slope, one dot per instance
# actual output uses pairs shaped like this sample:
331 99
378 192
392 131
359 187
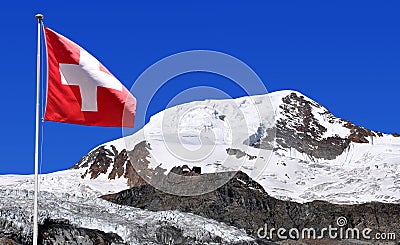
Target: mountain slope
302 152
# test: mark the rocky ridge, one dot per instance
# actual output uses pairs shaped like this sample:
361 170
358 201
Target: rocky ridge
299 128
243 203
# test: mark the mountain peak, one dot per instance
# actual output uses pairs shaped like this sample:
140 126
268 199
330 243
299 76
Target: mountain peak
304 138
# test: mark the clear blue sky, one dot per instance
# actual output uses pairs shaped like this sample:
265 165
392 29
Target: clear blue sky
343 54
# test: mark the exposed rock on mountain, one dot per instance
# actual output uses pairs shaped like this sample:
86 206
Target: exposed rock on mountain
243 203
299 128
61 231
116 164
239 153
58 232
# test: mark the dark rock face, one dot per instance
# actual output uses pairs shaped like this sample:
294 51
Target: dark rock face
118 168
304 132
243 203
298 128
137 159
61 232
121 163
101 162
215 205
360 134
53 232
186 171
239 153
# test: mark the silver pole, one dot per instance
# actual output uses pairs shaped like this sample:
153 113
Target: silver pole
39 18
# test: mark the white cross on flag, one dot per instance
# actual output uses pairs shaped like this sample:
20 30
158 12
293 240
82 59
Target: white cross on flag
80 90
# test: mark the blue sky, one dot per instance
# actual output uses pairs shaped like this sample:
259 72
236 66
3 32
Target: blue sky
343 54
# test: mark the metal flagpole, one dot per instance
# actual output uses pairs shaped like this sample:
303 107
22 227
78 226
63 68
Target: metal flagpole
39 18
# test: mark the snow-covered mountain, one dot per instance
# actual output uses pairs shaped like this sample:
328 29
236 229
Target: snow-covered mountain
289 144
299 152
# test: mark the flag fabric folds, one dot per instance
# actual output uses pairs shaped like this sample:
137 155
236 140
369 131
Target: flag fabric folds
80 90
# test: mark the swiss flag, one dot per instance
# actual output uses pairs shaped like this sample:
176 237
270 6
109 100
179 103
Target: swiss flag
80 90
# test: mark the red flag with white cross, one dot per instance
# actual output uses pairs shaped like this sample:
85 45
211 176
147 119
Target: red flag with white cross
80 90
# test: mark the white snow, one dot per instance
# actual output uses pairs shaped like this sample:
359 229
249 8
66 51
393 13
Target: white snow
65 195
363 173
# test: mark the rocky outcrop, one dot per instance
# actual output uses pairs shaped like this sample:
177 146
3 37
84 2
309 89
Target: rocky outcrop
108 160
239 153
62 232
300 129
59 232
243 203
360 134
97 161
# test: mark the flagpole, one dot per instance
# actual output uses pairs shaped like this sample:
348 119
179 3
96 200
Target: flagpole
39 18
